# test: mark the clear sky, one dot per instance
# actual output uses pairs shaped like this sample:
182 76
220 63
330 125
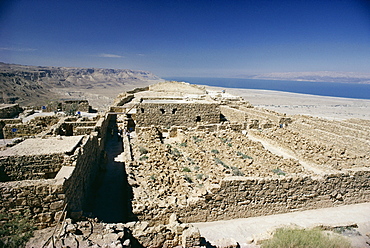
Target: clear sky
188 38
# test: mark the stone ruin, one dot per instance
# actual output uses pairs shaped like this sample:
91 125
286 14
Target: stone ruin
190 155
57 156
69 105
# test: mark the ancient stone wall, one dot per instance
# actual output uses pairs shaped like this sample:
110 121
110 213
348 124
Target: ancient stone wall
15 168
86 160
43 200
265 116
32 128
21 130
177 114
233 114
238 197
123 99
9 110
68 106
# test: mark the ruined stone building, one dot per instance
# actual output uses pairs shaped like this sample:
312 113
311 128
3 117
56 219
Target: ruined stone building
198 154
209 163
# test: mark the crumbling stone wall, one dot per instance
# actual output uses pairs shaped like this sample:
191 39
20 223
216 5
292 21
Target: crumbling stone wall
86 161
69 106
177 114
9 110
233 114
32 128
238 197
43 200
241 198
3 122
15 168
21 130
266 118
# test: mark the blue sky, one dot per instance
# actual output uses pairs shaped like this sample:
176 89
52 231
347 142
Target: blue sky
189 38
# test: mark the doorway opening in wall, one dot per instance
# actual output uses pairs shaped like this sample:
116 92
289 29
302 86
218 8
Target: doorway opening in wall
130 123
198 119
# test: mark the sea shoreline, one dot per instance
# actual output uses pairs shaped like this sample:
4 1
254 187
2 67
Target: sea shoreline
328 107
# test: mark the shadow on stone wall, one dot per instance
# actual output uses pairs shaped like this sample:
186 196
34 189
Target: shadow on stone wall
111 196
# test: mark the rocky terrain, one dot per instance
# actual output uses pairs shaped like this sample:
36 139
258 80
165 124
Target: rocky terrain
36 85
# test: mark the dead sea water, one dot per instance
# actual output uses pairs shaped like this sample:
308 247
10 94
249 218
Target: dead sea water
346 90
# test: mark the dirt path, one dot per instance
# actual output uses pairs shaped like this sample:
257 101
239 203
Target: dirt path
257 228
277 150
109 205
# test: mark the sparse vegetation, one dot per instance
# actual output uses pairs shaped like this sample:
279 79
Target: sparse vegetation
219 161
224 140
152 177
175 152
143 158
188 179
199 176
279 172
301 238
15 230
191 161
196 139
243 155
236 171
186 169
184 144
143 150
215 151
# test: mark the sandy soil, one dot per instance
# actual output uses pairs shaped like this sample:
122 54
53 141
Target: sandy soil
334 108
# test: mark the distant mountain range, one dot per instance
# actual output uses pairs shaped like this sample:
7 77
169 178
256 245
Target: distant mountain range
35 85
321 76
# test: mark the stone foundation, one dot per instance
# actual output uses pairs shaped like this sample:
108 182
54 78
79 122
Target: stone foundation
238 197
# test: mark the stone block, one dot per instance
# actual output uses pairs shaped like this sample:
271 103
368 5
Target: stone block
58 205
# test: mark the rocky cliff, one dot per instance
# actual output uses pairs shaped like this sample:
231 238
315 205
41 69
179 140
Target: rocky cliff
38 84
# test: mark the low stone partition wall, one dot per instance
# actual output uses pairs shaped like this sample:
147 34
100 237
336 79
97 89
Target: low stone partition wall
43 200
242 197
21 130
15 168
9 110
32 128
265 115
10 121
233 115
83 130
